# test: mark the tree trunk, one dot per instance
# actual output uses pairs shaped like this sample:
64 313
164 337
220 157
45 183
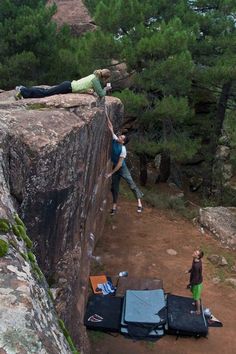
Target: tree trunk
164 167
143 169
165 155
220 117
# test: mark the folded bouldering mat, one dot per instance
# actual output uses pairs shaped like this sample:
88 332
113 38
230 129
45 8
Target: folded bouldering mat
144 314
132 283
103 313
95 280
180 320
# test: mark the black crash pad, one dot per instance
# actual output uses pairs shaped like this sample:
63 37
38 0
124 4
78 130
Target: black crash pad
180 319
103 312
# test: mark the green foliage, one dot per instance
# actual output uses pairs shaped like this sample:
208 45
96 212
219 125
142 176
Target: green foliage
37 106
164 201
230 128
13 243
95 50
149 148
19 230
32 49
19 221
37 271
176 109
28 242
126 192
21 234
134 103
181 147
16 231
228 197
31 257
63 328
4 225
23 255
4 248
182 53
67 336
50 295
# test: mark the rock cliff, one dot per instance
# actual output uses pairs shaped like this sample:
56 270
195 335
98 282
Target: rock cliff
75 14
54 154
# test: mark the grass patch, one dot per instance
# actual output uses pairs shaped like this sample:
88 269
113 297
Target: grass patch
150 345
95 336
221 272
36 106
126 192
230 258
208 250
171 202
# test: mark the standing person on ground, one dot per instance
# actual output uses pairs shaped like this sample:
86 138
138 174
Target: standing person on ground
120 169
89 84
196 279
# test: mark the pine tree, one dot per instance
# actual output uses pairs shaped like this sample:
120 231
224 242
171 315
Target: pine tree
31 47
183 54
215 56
154 43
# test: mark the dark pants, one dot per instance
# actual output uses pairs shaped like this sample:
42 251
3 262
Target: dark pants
124 173
37 92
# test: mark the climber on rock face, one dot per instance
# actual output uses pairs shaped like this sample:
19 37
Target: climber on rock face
93 83
120 169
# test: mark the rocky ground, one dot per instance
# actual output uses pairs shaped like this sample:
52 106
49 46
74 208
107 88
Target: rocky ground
139 244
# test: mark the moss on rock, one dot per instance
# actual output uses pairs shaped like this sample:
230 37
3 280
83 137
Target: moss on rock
18 220
4 225
4 247
17 232
31 257
68 337
20 233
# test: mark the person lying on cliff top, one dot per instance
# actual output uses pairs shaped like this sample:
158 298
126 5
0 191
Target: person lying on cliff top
89 84
120 170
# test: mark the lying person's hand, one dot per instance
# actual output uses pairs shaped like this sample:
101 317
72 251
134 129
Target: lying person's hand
108 86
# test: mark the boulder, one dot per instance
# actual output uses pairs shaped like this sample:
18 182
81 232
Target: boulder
54 155
221 221
217 260
75 14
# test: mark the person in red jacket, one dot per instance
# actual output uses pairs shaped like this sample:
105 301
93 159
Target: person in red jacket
196 279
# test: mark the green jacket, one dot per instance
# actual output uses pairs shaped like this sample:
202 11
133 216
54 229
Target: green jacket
87 83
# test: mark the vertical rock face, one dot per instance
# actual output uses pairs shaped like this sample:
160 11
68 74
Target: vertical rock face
55 152
28 321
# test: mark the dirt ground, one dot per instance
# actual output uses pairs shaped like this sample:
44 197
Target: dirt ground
138 244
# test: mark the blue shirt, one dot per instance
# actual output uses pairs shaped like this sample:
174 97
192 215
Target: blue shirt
116 152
